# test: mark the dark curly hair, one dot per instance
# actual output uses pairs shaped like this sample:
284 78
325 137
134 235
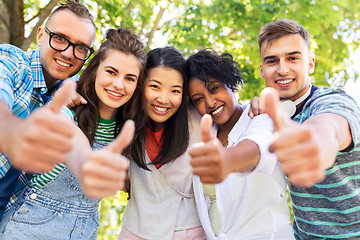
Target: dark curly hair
207 64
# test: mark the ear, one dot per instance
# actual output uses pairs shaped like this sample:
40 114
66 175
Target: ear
311 64
261 72
40 36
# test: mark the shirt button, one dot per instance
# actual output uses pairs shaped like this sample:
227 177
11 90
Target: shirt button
42 89
33 196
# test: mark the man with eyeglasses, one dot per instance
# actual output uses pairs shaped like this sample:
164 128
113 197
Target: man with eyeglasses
34 143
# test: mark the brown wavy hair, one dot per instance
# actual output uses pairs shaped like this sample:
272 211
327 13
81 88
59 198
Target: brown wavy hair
87 115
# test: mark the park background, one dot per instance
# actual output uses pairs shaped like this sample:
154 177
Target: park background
224 25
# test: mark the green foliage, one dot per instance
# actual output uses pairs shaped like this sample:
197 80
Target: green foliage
233 26
111 211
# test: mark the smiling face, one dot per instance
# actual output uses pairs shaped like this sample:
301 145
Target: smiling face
116 80
214 99
286 65
163 94
62 65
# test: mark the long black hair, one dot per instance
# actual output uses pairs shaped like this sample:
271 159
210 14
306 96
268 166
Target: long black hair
176 133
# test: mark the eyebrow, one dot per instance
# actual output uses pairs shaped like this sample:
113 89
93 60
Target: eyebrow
65 36
195 95
287 54
153 80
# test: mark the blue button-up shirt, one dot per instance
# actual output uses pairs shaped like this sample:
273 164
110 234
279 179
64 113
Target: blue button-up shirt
23 89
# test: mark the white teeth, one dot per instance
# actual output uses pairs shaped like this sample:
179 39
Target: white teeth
284 81
161 109
217 110
114 93
63 64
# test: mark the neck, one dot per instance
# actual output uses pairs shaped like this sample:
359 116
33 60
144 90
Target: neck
301 99
225 128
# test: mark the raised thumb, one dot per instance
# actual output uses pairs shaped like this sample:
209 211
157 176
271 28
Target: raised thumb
205 126
62 96
269 99
124 138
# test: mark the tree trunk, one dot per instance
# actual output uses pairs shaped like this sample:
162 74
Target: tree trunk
4 21
16 9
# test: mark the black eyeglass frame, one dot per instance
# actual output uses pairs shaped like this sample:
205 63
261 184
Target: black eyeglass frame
51 34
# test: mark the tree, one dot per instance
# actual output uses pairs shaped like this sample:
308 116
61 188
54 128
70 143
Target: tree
189 25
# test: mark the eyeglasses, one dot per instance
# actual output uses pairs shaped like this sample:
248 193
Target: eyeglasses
59 43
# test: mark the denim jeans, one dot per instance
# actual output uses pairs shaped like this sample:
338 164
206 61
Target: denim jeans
59 210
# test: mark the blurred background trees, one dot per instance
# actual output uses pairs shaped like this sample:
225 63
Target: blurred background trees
190 25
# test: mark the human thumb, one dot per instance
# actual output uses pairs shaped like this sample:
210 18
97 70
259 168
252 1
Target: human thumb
205 126
269 99
124 138
62 96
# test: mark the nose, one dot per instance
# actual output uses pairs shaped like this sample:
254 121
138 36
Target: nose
118 82
283 68
210 101
68 53
163 98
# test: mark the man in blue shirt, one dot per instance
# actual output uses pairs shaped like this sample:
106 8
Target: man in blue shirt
34 143
319 150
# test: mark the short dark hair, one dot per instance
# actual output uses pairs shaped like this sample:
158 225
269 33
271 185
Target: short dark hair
176 133
280 28
208 63
75 7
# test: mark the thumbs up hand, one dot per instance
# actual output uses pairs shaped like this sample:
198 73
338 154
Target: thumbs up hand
296 146
43 139
208 157
105 172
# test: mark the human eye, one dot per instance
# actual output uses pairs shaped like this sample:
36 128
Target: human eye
271 61
82 49
176 91
197 100
293 58
130 79
59 38
154 86
213 89
111 72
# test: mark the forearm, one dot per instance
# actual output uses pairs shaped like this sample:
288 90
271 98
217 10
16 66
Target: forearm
242 157
332 133
80 153
8 122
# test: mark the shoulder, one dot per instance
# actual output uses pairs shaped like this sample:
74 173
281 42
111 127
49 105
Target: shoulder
12 53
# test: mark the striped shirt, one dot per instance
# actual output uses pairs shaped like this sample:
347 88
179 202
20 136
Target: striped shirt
22 89
331 208
104 134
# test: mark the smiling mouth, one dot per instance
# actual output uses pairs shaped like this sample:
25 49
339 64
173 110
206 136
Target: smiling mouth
115 94
62 63
285 81
160 109
216 111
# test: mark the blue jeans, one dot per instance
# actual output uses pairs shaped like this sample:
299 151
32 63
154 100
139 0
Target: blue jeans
59 210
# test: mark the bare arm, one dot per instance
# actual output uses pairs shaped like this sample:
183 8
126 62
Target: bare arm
306 150
213 162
